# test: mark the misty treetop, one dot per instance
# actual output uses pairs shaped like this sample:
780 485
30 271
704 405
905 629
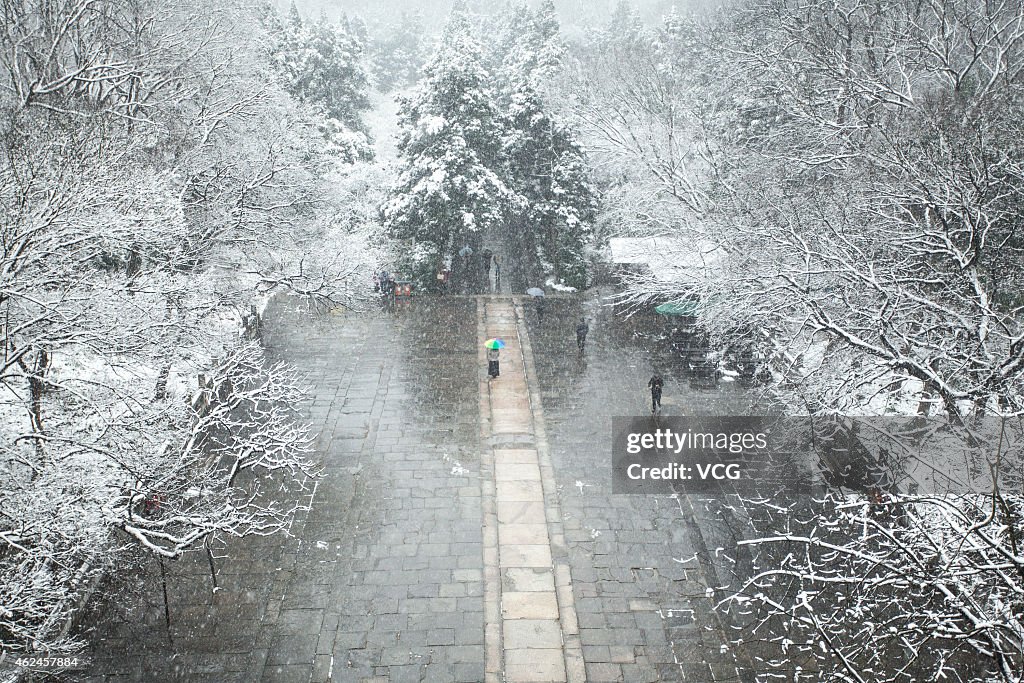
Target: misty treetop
399 50
324 65
450 187
480 143
527 44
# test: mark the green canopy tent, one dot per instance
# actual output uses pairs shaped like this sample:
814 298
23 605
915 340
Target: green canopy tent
681 308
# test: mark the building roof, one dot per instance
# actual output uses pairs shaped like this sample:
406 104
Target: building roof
669 259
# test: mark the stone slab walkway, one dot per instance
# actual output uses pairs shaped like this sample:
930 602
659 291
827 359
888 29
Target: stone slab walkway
639 562
531 630
381 580
442 544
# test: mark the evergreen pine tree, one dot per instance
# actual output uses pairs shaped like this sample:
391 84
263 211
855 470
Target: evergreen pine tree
625 31
449 189
294 19
676 49
540 52
505 29
545 164
269 19
321 64
398 52
333 74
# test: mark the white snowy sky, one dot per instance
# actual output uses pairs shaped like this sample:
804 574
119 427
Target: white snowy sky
573 13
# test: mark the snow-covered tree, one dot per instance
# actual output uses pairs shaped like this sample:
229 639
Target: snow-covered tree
858 166
901 248
527 44
399 51
887 587
546 166
624 32
156 183
637 110
860 206
323 64
450 186
635 100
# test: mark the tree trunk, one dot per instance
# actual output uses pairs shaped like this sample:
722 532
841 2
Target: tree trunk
161 383
167 604
37 386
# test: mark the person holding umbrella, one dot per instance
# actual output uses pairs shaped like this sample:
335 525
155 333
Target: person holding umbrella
493 346
466 253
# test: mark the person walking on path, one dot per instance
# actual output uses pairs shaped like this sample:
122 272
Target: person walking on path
492 363
497 273
656 383
540 309
581 333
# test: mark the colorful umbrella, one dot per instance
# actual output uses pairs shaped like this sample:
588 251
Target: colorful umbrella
494 344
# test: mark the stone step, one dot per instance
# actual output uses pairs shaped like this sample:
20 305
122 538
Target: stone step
525 606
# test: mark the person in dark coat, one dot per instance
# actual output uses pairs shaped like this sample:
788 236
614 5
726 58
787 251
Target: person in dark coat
656 383
492 363
581 333
487 254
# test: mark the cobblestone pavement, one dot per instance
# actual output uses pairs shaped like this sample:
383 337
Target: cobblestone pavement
385 578
641 568
382 580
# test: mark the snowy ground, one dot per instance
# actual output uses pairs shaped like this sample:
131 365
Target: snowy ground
383 578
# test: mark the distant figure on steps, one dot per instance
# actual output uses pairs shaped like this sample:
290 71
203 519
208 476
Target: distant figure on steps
487 254
581 333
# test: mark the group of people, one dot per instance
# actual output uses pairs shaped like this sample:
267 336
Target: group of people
465 265
383 282
656 384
